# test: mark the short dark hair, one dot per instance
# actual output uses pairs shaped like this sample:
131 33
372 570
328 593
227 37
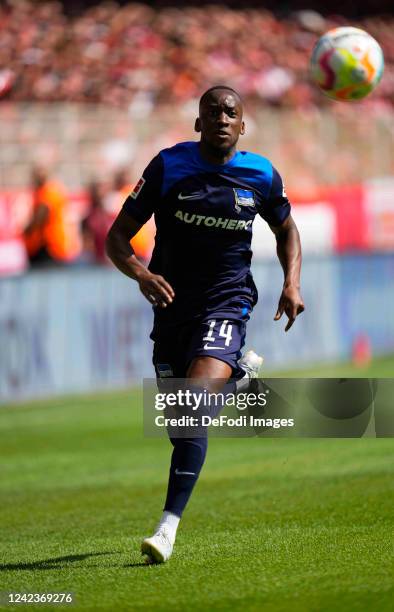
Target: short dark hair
206 93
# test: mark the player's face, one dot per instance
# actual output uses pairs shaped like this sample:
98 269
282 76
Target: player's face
220 121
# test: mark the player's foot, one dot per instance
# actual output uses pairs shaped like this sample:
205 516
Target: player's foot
158 548
251 363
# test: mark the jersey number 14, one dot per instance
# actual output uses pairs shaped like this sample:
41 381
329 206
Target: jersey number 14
225 332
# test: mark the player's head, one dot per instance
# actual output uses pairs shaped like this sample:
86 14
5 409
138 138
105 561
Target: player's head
39 175
220 118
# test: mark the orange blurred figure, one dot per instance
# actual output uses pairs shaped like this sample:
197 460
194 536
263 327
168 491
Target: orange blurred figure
45 234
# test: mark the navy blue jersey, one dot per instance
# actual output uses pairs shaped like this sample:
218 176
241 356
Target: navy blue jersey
204 215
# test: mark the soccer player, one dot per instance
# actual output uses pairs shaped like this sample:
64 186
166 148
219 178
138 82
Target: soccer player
204 196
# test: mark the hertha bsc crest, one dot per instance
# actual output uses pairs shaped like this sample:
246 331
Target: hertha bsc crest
243 197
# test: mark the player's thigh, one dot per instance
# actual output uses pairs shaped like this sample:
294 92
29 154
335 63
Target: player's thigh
170 352
221 339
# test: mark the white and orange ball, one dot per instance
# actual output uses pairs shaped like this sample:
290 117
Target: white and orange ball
347 63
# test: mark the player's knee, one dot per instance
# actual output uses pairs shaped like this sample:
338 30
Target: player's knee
208 372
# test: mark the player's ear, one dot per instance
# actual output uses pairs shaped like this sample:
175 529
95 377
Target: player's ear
242 130
197 125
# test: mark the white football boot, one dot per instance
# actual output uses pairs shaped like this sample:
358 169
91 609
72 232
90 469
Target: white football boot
158 548
251 363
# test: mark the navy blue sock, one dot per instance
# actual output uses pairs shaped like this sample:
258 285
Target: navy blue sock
188 457
187 460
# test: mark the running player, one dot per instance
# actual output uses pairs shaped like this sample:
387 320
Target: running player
204 196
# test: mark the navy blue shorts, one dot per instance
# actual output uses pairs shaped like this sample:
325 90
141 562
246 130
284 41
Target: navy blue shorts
219 337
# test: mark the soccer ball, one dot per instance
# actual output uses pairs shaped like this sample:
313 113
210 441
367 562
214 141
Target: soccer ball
347 63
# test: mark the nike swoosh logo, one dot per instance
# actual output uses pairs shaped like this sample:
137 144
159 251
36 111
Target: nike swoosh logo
192 196
178 473
214 348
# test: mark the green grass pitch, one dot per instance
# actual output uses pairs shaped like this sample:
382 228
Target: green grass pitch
273 525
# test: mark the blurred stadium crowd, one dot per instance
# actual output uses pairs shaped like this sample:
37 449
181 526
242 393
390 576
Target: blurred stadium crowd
136 54
55 229
95 86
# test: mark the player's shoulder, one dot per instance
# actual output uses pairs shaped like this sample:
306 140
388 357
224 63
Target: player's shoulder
256 169
255 161
181 150
179 162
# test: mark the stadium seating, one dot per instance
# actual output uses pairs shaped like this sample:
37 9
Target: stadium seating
140 56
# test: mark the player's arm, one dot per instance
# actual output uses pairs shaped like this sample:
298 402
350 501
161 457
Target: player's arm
288 248
136 211
153 286
276 211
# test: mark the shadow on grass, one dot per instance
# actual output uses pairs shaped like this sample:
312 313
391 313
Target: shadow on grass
139 564
53 563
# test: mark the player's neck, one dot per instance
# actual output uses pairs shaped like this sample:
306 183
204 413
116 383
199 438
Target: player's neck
213 156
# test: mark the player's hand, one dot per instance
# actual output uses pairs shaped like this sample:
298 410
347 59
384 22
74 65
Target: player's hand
156 290
291 303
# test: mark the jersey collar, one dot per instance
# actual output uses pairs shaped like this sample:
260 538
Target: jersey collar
208 166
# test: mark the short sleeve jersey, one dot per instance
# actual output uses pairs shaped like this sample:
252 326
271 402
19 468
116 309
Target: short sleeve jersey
204 215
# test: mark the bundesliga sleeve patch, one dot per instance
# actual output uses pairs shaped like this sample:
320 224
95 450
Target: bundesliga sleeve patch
138 188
